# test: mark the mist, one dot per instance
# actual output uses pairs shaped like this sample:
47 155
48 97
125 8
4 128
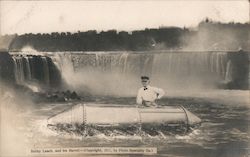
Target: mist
92 80
13 107
217 36
118 74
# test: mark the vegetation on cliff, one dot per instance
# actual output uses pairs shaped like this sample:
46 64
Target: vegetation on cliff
207 36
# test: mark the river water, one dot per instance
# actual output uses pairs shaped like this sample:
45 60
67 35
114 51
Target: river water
224 131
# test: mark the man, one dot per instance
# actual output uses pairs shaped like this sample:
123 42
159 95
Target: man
147 95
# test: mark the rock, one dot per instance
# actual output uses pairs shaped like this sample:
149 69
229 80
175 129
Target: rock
74 96
7 68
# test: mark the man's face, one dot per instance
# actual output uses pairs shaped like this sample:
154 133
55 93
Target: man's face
144 82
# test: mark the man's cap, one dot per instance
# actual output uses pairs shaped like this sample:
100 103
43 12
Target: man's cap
144 77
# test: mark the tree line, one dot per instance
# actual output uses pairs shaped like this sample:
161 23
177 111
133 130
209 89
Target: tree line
208 35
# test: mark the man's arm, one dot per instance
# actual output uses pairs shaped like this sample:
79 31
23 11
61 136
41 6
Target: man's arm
160 92
139 98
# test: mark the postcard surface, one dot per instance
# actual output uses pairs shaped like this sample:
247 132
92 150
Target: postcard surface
125 78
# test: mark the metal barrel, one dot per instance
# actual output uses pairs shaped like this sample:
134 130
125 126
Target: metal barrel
112 115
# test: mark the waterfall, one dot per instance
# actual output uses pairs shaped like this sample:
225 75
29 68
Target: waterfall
116 73
27 69
119 72
15 70
228 74
189 69
19 69
45 70
31 69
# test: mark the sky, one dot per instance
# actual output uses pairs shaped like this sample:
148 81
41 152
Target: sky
61 16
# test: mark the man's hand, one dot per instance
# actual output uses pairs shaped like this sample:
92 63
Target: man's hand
157 100
157 103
